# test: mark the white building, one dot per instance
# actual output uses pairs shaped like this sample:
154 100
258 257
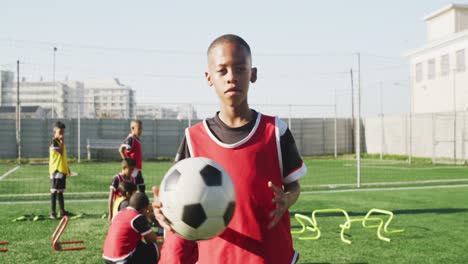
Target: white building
439 78
96 98
9 112
108 98
186 111
155 112
59 99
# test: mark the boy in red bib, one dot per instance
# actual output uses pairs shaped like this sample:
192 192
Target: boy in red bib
128 166
131 148
126 189
123 242
259 153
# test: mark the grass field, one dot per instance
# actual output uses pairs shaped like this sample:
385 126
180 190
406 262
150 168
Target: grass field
31 182
434 220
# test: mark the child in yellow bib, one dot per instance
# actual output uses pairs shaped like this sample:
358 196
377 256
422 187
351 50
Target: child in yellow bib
127 189
58 169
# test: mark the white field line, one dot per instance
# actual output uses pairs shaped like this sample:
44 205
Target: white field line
389 189
47 194
20 179
378 161
385 183
304 192
383 162
405 168
73 174
9 172
47 202
308 185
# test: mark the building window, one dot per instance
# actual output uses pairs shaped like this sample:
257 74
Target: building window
460 55
418 72
431 69
444 65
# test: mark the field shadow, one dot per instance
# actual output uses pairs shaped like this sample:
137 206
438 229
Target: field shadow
432 211
330 262
77 216
314 262
395 212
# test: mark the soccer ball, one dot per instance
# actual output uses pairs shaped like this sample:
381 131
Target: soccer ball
198 198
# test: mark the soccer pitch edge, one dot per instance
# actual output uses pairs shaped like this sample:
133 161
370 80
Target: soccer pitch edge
384 183
9 172
302 193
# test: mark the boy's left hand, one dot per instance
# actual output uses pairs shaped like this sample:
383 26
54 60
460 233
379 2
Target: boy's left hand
157 211
282 204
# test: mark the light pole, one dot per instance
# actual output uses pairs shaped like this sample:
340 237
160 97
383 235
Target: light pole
79 129
352 109
53 83
410 150
18 111
410 154
334 126
358 124
455 116
381 122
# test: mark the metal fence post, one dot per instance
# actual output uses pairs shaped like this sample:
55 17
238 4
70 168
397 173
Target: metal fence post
434 143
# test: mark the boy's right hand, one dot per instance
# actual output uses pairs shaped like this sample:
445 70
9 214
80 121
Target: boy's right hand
157 211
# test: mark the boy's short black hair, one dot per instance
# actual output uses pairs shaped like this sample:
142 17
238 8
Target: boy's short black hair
229 38
126 187
135 121
59 125
128 162
139 201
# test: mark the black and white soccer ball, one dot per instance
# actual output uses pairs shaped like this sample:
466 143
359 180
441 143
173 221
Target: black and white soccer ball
198 198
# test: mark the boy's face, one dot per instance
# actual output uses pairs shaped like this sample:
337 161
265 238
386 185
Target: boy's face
58 133
129 194
230 72
145 211
137 129
127 171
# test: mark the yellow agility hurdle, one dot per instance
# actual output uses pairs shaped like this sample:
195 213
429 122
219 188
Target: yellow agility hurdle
311 224
390 217
313 227
347 225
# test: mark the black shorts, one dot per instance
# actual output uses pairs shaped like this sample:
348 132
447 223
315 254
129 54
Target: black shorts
57 182
144 253
139 181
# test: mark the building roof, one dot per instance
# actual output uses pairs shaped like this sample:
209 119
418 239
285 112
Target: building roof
434 44
445 9
24 109
104 83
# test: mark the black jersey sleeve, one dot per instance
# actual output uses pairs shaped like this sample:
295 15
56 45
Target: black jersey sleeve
128 143
292 164
289 154
55 144
141 225
115 183
123 205
183 151
140 182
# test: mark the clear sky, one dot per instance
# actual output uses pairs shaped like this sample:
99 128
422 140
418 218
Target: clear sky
303 49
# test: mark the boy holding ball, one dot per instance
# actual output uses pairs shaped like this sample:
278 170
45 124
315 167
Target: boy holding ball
260 154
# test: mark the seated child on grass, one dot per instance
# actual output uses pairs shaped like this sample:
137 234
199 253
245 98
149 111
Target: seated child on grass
124 243
128 165
126 189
